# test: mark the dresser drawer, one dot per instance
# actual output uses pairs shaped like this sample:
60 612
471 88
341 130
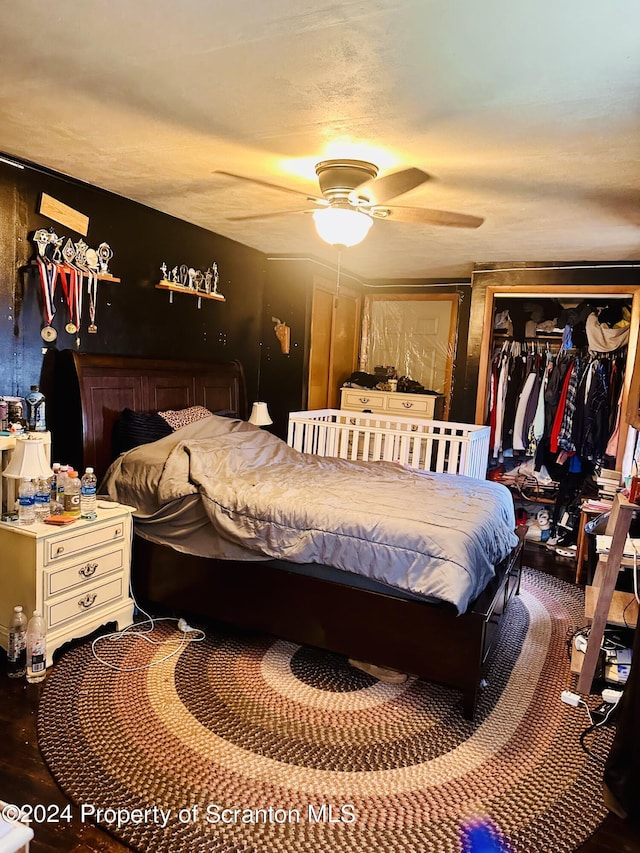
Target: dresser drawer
66 578
62 547
359 399
84 601
411 404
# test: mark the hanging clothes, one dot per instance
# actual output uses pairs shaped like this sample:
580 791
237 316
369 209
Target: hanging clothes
558 405
559 412
592 443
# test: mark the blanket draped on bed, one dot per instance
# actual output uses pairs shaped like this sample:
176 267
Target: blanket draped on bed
436 535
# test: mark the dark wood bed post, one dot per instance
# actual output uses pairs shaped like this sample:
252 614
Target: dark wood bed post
419 637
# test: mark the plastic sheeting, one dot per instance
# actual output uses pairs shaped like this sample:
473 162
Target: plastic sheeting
415 336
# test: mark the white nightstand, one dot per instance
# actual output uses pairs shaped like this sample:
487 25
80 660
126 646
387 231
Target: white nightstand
76 575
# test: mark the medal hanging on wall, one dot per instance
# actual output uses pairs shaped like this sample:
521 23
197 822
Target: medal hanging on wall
92 291
92 287
48 273
73 298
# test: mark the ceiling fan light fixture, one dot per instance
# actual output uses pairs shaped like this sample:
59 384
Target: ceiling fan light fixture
342 226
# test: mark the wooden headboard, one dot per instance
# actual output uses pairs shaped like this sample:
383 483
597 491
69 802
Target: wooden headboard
86 394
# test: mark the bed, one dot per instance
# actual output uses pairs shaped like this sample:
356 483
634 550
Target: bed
280 593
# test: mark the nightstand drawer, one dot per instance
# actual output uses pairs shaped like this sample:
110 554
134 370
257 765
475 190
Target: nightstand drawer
63 546
84 601
92 567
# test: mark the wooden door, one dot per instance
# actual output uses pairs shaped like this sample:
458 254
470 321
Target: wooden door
335 324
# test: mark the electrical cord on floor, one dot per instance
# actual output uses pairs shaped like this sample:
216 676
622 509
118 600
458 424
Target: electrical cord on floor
605 711
138 632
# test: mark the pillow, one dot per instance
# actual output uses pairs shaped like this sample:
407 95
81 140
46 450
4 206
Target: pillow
135 428
182 417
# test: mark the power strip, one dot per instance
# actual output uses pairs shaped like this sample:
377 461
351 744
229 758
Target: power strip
611 696
570 698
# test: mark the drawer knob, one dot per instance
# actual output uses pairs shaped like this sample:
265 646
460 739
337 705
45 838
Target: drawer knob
407 404
88 570
59 550
88 600
364 399
117 533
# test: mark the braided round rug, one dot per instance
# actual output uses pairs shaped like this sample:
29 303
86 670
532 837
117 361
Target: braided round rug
259 745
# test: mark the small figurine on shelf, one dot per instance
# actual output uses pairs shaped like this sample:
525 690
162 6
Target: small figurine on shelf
163 270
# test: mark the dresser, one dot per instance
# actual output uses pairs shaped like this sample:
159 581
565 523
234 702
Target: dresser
76 575
428 406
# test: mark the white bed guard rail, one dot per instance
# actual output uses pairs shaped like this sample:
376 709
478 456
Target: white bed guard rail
440 446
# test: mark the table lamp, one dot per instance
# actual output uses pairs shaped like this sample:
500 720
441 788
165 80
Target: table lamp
29 461
260 415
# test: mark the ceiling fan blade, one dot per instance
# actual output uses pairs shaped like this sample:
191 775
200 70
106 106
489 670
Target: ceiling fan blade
271 215
425 216
379 190
265 184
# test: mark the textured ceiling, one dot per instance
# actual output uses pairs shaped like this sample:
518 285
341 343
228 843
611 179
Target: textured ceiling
526 113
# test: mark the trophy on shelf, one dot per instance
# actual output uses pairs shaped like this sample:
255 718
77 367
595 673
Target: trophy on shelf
191 280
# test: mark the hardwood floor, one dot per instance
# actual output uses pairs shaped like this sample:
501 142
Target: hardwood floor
24 777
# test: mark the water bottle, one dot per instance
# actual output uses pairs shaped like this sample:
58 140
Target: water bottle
43 499
54 481
72 493
36 648
61 479
35 410
88 488
26 502
17 646
53 486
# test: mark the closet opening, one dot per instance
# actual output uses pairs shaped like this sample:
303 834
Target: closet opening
556 370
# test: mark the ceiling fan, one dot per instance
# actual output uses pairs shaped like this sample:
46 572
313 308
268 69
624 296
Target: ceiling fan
356 196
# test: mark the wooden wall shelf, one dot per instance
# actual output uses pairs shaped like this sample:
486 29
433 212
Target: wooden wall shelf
179 288
101 276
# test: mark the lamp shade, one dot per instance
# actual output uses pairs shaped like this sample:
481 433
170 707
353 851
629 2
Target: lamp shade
342 226
29 460
260 415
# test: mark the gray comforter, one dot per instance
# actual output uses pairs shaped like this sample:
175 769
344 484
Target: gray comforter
436 535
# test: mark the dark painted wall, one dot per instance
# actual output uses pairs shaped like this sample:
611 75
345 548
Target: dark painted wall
133 317
283 378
